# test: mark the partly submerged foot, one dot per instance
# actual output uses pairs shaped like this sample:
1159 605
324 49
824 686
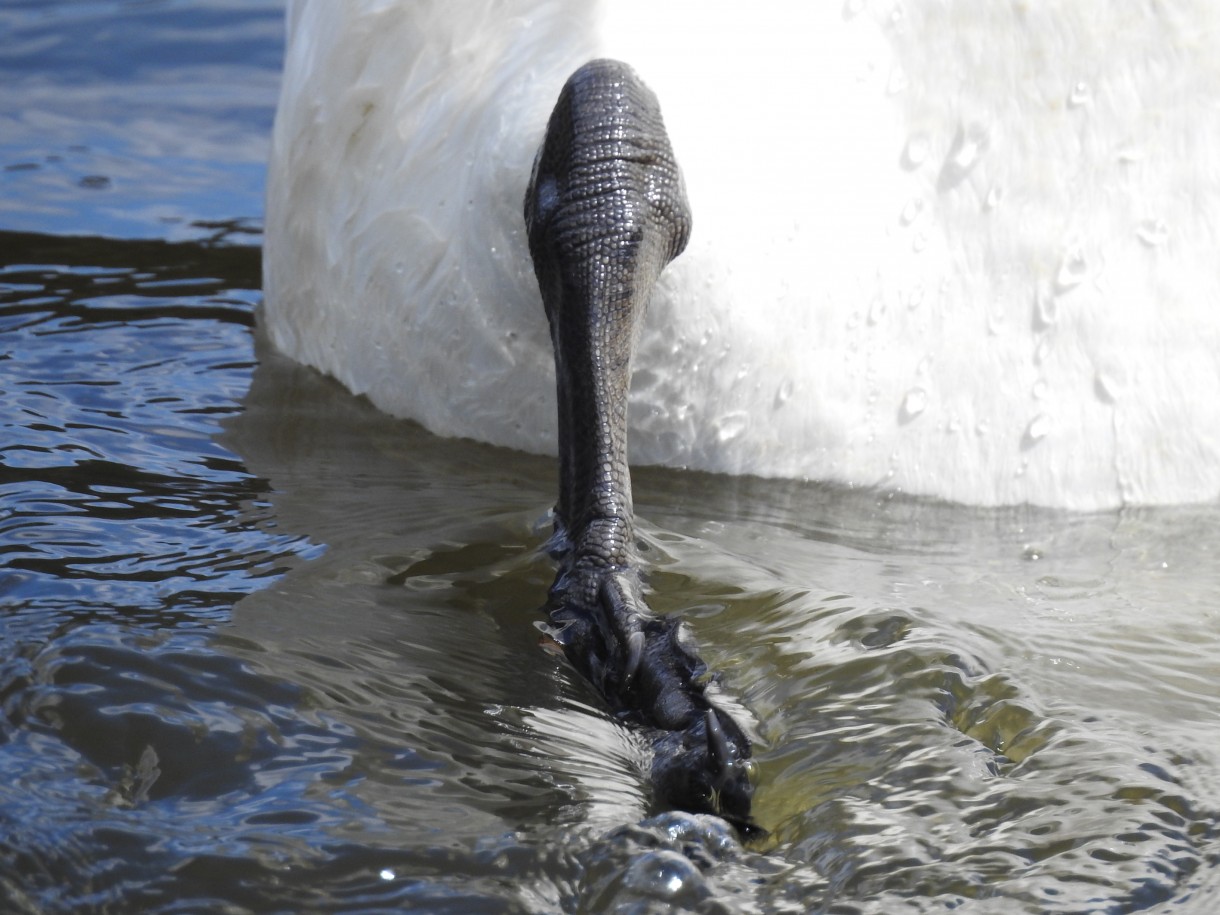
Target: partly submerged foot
650 675
605 211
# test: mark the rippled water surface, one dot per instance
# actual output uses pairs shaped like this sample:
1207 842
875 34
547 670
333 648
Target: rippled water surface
265 649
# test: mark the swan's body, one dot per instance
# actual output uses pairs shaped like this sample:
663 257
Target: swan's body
958 249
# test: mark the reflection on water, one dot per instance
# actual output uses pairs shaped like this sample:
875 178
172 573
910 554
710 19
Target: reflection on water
264 649
1008 706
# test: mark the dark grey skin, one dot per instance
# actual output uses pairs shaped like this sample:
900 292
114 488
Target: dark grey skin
606 210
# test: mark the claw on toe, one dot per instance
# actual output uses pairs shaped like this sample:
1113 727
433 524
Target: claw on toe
719 751
635 653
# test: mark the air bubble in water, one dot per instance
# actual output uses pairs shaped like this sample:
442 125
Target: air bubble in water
666 875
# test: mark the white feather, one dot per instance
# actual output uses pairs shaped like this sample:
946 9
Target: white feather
966 250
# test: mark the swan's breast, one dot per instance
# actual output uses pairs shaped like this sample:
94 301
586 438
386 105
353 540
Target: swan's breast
965 250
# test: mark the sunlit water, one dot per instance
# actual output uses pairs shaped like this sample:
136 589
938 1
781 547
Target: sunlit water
265 649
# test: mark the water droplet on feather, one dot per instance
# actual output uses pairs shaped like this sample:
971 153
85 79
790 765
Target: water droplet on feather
915 402
916 151
1153 232
1073 270
1037 430
968 147
1080 95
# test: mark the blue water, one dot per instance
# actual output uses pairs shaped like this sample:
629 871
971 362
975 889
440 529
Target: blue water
136 120
265 649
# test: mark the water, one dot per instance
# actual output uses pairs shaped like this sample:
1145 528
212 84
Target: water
265 649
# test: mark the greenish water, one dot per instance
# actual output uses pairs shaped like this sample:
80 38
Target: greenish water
263 648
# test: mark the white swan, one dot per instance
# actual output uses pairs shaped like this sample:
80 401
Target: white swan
964 250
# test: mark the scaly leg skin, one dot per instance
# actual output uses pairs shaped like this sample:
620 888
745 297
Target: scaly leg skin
606 211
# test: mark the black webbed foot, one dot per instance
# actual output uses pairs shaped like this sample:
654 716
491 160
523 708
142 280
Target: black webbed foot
645 672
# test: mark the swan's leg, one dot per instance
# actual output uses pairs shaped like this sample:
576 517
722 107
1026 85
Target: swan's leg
606 211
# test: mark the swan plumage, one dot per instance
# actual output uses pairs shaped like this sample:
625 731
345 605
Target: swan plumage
955 249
